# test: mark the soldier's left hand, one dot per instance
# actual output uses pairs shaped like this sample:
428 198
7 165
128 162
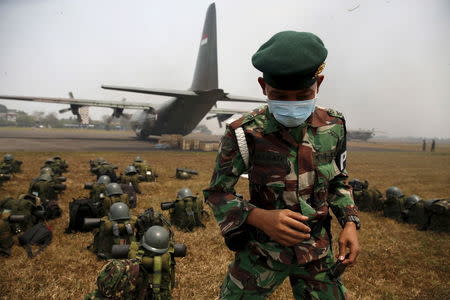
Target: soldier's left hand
348 239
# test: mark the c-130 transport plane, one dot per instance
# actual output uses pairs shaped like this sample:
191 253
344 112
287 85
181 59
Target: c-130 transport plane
182 113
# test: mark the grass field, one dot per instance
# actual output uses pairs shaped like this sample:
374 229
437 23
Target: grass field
397 261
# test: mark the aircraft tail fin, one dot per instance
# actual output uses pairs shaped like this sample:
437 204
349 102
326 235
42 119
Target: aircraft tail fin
205 75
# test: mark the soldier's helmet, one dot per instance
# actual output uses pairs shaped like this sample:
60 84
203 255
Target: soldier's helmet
183 175
57 157
138 159
119 211
113 189
8 157
118 279
184 193
104 163
411 200
156 240
356 184
393 192
104 179
45 177
130 170
49 161
47 170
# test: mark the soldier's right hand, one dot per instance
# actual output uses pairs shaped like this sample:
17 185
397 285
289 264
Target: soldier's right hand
282 225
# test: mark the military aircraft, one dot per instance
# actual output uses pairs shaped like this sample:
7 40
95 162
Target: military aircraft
360 134
186 108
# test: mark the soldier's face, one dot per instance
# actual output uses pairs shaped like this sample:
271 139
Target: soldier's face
290 95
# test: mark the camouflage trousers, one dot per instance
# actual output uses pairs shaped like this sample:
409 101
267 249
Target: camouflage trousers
255 277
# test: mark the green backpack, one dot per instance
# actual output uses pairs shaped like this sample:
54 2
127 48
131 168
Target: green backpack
24 205
188 213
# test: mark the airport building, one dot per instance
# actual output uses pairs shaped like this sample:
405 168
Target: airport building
7 114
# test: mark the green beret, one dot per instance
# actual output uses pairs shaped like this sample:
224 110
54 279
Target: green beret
291 60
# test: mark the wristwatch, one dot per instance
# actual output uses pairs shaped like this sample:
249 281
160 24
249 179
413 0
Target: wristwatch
353 219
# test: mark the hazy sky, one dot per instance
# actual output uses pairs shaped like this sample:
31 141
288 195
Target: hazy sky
388 66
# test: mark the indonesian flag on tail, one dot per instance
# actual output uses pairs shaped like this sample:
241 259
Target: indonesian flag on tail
204 40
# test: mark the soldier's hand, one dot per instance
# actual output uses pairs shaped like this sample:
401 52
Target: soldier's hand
348 239
282 225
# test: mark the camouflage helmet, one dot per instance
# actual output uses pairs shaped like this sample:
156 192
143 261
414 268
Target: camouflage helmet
184 193
411 200
138 159
118 279
394 191
130 169
156 240
47 170
113 189
119 211
45 177
356 184
57 157
8 157
104 179
49 161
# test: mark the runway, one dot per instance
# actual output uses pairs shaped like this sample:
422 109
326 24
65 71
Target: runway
43 139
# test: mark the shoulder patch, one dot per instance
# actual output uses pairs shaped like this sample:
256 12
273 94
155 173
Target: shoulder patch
335 113
247 117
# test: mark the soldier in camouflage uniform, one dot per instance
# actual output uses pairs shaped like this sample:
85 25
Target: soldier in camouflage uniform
366 199
95 163
11 164
117 280
394 203
131 177
26 205
144 170
295 156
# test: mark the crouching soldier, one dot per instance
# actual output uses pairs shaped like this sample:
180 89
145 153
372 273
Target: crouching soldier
394 203
114 194
131 177
186 212
439 211
366 199
27 205
12 164
144 170
148 273
6 235
98 189
181 173
118 228
45 188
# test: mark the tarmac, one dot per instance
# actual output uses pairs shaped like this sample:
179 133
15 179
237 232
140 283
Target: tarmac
88 140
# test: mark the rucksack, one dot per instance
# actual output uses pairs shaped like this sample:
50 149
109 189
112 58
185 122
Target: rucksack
21 206
148 219
79 209
188 213
52 209
129 190
39 235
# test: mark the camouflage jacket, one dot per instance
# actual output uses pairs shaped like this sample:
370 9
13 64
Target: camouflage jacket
302 169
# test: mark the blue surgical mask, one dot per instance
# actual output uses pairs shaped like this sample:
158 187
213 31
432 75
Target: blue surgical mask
291 113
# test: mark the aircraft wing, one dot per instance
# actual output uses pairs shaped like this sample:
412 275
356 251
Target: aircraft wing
226 111
218 93
159 92
81 102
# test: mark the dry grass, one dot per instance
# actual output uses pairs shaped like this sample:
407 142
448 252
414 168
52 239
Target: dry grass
397 261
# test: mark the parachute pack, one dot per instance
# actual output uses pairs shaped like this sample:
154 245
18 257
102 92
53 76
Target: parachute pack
79 209
39 235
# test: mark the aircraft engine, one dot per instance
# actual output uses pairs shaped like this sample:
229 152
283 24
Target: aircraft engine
220 118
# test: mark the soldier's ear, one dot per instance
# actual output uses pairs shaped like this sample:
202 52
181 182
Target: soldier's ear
319 82
262 83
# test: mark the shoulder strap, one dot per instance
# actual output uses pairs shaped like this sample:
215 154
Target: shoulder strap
157 275
242 144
